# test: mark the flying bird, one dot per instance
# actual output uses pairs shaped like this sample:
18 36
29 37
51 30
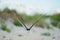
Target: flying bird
20 19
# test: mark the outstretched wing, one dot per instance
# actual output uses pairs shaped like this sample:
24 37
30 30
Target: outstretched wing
20 19
36 21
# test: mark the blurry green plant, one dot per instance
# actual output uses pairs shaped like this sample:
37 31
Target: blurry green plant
40 24
29 18
55 19
46 34
54 23
58 25
17 23
4 28
48 27
6 13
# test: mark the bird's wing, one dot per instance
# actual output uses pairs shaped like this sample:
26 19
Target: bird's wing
36 21
20 19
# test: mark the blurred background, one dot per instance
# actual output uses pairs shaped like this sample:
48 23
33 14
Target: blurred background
14 14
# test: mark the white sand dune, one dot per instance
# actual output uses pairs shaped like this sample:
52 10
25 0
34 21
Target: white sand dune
20 33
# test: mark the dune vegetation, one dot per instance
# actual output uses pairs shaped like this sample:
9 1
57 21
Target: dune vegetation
7 13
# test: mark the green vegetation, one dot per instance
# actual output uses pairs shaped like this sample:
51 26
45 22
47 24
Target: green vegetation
4 28
16 22
46 34
55 19
29 18
7 13
48 27
54 23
